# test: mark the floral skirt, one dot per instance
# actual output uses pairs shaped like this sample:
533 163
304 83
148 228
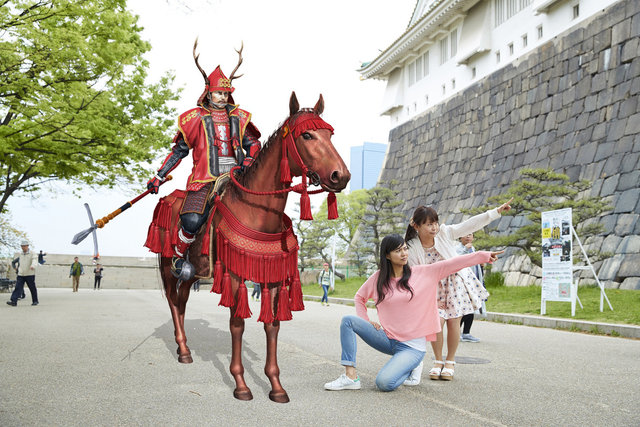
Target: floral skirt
459 294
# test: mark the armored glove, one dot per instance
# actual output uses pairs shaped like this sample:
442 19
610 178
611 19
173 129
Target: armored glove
154 184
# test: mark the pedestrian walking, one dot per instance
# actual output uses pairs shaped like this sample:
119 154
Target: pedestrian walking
75 272
25 265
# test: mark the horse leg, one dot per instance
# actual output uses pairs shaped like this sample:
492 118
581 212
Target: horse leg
184 353
177 304
236 326
271 369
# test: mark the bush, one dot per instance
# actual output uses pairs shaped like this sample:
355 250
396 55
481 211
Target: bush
492 280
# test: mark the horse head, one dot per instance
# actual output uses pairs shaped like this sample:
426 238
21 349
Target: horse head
310 150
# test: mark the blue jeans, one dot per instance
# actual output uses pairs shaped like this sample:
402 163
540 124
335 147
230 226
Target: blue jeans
405 359
325 288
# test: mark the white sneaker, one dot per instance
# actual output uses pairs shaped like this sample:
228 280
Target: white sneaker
343 383
469 338
416 375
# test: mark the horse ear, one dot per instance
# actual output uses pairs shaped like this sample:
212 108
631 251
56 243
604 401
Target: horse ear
319 108
294 105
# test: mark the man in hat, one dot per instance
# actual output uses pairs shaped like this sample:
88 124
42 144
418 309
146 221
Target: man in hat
221 136
25 265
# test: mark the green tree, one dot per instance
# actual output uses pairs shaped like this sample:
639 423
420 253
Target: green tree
380 218
74 104
9 236
540 190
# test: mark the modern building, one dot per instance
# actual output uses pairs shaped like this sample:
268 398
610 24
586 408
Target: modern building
451 44
366 163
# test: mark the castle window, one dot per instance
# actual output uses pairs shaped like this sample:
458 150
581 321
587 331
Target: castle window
473 73
540 33
505 9
425 63
510 48
524 40
444 50
498 57
576 10
454 43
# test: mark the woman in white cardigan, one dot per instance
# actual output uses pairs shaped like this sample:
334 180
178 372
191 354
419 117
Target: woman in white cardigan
458 294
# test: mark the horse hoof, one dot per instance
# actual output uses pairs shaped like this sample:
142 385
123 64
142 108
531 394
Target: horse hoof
242 394
185 358
279 397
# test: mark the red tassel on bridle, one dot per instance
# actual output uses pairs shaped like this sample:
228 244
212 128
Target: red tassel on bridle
332 206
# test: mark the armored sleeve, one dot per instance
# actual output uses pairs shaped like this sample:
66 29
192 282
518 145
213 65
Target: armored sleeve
179 151
250 141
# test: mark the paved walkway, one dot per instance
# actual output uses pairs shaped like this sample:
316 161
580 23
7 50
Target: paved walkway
108 358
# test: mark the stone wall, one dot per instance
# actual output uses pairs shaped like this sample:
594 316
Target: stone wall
119 272
571 105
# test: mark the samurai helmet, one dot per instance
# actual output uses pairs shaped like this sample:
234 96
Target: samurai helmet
217 81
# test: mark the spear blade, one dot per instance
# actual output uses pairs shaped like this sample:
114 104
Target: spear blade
83 235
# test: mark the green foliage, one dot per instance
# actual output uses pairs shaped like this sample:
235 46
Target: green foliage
368 212
74 104
380 219
492 280
536 191
9 236
526 300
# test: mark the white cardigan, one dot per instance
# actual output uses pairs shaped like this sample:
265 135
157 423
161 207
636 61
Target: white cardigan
446 240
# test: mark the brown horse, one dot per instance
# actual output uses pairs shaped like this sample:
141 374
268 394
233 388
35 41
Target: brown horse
262 213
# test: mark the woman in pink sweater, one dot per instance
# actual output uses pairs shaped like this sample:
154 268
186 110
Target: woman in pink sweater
408 314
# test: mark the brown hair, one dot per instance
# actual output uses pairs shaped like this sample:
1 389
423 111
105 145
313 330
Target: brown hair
421 215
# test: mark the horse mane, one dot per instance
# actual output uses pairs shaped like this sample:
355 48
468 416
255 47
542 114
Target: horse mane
243 177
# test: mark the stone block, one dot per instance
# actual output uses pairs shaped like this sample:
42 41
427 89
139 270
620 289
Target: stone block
627 201
603 150
587 153
626 224
621 32
612 166
630 245
629 51
609 185
629 266
609 223
630 283
610 243
630 162
628 107
610 267
629 180
633 125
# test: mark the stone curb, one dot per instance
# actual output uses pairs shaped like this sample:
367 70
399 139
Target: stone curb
626 331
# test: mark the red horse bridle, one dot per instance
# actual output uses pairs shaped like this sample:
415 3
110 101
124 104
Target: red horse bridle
291 130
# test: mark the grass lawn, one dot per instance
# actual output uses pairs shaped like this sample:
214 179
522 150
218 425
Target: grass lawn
526 300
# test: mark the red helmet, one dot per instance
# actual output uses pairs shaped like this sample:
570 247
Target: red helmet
218 82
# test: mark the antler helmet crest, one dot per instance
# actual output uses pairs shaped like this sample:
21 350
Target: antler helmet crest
216 81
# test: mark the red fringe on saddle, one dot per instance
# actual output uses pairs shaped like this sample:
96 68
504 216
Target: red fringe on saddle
163 232
262 258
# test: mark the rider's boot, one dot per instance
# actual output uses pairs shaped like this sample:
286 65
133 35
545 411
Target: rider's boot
180 267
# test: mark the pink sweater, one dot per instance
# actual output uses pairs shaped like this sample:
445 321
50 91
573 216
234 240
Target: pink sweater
404 319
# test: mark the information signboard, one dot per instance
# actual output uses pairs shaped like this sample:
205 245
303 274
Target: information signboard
557 261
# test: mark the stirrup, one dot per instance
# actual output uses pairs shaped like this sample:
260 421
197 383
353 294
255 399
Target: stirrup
434 373
447 373
182 269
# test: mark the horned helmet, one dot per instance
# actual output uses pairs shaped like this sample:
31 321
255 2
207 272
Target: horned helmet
217 81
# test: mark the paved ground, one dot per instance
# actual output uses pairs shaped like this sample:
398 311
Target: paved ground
108 358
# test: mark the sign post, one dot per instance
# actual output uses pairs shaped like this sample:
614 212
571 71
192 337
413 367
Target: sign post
557 259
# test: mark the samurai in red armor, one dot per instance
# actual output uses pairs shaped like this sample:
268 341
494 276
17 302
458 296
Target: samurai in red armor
221 136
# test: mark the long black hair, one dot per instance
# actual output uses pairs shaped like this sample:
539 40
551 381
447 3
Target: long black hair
421 215
388 244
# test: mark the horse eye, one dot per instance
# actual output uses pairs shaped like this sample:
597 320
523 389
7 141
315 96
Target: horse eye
307 136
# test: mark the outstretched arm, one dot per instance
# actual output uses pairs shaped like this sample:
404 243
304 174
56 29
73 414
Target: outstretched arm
442 269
